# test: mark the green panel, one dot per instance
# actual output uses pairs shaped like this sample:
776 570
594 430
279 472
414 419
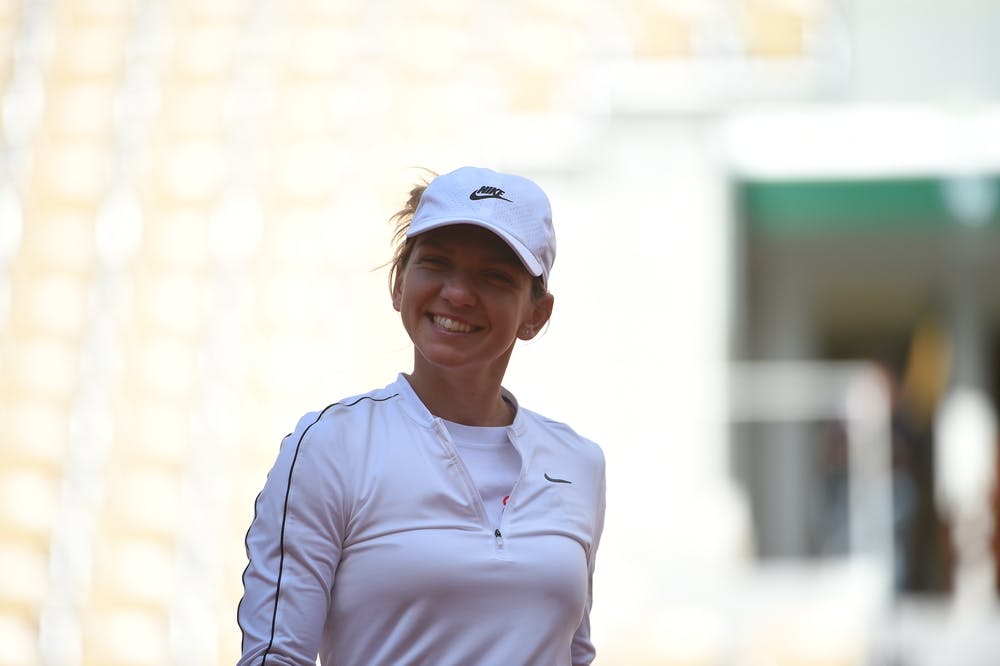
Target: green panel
830 206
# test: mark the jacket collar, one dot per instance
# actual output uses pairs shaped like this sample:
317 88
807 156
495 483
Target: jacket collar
417 411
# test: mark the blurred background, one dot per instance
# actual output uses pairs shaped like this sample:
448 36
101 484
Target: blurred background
778 301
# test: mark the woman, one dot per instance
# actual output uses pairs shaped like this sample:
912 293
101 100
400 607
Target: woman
435 521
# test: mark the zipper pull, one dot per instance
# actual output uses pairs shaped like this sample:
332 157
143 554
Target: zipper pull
498 537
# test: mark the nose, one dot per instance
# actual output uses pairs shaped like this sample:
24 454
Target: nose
458 290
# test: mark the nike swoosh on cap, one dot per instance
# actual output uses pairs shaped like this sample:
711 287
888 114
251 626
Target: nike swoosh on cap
553 480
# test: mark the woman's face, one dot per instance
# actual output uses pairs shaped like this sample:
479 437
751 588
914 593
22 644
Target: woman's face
464 298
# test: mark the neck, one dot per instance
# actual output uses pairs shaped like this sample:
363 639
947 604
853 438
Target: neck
462 398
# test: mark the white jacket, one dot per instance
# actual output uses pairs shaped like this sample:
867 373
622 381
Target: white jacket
371 546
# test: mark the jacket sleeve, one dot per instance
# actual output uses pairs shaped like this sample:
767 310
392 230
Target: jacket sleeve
293 547
582 649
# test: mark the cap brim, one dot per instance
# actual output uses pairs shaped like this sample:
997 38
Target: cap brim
527 258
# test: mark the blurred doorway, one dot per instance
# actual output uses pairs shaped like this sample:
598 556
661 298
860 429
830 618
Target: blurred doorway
884 271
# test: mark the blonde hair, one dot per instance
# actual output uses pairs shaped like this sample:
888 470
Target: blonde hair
403 246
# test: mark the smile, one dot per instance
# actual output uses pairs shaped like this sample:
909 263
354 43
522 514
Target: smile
451 325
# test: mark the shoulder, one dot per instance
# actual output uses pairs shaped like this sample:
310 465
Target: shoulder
564 435
343 415
362 403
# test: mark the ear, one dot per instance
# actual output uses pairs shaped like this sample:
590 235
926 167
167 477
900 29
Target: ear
397 294
541 310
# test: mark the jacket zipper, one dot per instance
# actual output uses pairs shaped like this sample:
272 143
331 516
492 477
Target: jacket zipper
477 498
497 534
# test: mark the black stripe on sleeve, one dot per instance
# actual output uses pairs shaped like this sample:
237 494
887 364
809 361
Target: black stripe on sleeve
284 517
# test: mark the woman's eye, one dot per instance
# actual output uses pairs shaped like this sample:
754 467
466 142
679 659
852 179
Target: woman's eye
432 260
500 277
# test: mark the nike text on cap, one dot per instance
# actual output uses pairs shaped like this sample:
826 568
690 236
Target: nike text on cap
512 207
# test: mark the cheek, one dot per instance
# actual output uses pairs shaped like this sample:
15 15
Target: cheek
519 317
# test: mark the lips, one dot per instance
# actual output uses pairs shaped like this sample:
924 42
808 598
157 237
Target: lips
452 325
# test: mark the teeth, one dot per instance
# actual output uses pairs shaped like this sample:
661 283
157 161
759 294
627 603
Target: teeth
451 324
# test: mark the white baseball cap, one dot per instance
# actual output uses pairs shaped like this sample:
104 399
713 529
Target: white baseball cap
512 207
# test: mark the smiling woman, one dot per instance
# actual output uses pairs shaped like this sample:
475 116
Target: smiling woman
465 299
436 521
